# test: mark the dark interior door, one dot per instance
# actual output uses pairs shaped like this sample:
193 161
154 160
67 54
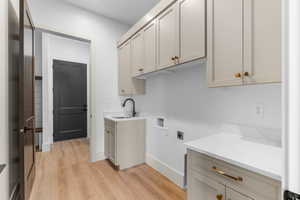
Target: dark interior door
26 102
13 74
69 100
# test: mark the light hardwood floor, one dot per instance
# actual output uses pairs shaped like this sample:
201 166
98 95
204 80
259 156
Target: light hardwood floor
66 174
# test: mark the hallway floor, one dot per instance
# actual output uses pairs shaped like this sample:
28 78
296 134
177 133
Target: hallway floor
65 174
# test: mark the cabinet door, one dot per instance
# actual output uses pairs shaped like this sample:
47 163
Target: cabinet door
150 47
202 188
225 42
262 41
112 146
192 29
106 143
233 195
168 37
125 82
137 54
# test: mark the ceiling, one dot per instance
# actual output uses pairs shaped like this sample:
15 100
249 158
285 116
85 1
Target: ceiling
125 11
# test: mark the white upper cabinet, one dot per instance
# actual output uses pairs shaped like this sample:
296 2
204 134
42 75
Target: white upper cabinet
127 84
125 87
137 54
241 40
262 41
150 47
174 34
244 42
168 37
192 29
225 42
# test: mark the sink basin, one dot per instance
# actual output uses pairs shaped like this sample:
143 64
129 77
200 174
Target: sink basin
120 117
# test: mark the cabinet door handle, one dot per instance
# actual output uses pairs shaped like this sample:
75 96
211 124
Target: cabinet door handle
173 58
220 172
141 69
122 90
107 132
27 129
246 74
238 75
219 196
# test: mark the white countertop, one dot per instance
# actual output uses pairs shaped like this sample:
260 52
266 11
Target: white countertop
111 117
263 159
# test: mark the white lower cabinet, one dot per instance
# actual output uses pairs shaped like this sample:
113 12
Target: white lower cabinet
201 187
210 178
234 195
125 142
110 141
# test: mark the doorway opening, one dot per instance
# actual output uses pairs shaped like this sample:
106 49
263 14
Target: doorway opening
62 93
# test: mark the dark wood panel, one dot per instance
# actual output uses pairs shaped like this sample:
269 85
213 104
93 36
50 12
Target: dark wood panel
13 100
26 102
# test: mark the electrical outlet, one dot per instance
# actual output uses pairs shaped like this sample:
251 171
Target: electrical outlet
259 110
180 135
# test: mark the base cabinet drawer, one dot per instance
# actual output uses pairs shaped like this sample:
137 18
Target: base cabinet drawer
236 180
203 188
234 195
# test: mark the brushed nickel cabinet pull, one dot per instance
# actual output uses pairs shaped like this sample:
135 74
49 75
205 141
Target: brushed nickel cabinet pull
220 172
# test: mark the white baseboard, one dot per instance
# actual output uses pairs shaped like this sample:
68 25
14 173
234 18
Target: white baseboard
46 147
172 174
98 156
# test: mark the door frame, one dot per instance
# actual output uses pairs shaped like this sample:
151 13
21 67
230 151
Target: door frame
47 73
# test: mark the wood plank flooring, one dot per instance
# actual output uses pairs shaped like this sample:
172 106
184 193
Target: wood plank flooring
65 173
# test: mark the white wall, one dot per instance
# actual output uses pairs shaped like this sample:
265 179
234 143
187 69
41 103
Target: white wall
104 34
188 105
38 83
60 48
3 98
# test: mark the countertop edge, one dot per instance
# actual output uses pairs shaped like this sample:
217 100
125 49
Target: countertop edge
234 162
124 120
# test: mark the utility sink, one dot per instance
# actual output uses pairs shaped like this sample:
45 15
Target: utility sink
120 117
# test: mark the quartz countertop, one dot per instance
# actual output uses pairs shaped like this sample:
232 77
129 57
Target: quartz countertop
263 159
